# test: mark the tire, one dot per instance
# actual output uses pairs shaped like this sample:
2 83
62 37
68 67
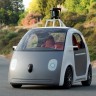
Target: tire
16 85
89 77
68 79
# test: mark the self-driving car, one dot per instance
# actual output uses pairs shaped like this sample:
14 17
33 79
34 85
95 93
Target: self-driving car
51 56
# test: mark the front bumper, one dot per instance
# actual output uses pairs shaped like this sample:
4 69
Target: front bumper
33 81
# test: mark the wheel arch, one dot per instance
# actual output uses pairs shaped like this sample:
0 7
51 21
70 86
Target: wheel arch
90 66
71 69
63 71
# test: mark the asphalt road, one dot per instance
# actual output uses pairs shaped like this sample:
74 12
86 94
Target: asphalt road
7 90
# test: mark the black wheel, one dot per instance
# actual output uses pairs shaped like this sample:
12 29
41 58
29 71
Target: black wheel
89 77
68 78
16 85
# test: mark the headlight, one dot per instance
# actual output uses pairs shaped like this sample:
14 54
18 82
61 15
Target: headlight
13 64
52 65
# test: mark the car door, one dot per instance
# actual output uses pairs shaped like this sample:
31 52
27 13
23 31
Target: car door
80 56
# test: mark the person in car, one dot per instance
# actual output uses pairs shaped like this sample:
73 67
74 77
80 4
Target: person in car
49 42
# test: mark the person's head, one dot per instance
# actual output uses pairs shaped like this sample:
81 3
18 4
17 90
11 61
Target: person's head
49 43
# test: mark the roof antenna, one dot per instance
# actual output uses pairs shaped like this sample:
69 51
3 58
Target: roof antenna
55 17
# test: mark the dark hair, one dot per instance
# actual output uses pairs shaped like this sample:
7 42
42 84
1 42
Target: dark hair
50 37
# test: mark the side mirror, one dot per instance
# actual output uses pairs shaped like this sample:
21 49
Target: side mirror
75 48
14 48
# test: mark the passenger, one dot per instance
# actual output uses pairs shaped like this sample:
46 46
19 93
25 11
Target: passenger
75 43
49 42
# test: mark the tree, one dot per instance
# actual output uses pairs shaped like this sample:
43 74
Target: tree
60 2
17 5
84 4
42 6
93 8
78 6
91 1
33 7
10 11
51 4
72 5
37 6
2 16
5 4
30 19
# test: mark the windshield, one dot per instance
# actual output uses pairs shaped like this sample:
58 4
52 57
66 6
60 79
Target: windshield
42 40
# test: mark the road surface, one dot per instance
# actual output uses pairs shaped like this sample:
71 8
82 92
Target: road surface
7 90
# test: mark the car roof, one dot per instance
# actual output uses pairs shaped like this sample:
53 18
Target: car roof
57 29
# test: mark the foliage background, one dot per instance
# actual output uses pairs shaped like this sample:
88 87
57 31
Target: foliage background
80 14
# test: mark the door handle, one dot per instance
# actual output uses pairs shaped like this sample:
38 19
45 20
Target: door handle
80 54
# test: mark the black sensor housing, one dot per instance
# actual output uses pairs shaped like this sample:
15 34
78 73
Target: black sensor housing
55 13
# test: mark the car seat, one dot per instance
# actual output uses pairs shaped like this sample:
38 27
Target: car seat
59 45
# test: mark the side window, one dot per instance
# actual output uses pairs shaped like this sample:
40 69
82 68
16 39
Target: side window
32 41
77 41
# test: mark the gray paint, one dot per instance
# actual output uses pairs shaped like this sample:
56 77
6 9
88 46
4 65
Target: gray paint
80 62
77 89
40 73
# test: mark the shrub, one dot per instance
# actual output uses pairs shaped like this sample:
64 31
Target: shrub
71 19
30 19
11 35
79 26
10 39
